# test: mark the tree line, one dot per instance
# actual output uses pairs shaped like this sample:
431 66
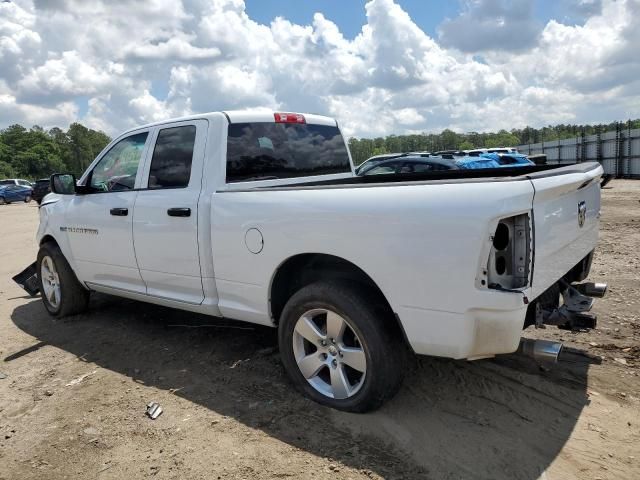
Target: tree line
363 148
37 153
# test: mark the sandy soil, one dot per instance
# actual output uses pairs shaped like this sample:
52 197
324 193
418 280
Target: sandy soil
230 413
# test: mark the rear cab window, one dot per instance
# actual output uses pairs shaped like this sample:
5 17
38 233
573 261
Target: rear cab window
270 151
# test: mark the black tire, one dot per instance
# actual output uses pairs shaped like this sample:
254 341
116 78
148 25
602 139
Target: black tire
27 199
380 338
74 298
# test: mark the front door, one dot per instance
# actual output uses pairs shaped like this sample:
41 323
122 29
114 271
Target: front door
165 220
99 224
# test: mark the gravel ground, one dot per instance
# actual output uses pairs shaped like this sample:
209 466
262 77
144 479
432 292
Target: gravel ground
73 392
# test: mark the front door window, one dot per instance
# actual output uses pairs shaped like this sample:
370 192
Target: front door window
117 170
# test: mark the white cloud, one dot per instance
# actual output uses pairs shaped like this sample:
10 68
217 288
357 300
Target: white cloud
507 25
133 62
65 77
12 111
585 8
176 49
17 40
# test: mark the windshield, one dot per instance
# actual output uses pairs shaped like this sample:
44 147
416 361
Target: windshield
267 151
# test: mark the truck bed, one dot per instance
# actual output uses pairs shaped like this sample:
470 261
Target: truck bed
473 175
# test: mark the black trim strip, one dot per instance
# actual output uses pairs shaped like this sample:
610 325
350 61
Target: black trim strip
510 174
125 191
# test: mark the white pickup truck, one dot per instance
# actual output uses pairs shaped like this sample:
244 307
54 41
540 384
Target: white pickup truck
259 217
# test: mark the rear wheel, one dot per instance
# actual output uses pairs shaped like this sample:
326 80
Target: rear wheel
340 348
62 293
2 201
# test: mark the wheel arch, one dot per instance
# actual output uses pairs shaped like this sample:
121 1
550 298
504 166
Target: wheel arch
62 244
303 269
48 238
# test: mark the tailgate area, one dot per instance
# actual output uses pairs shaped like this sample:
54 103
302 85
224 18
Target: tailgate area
566 217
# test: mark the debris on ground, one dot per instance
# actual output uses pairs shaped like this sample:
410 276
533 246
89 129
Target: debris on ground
154 410
3 376
76 381
239 362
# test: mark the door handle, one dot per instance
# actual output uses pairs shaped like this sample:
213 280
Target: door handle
179 212
119 212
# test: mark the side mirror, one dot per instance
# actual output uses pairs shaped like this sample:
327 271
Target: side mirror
63 183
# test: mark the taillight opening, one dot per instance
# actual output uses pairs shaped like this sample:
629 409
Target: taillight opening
509 261
289 118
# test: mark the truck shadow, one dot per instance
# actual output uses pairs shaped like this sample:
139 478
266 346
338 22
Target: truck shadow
502 418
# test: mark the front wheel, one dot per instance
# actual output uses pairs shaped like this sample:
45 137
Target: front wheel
340 348
62 293
27 199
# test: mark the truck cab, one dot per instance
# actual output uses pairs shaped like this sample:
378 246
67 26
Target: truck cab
133 227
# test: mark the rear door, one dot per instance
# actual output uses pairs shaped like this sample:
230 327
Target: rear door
566 211
165 223
99 224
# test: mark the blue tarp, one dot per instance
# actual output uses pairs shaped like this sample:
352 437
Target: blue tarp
509 159
493 160
477 162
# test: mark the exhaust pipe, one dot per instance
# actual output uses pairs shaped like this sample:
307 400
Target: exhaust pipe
591 289
543 351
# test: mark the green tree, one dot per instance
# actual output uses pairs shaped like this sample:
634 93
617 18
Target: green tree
80 147
6 170
450 139
36 153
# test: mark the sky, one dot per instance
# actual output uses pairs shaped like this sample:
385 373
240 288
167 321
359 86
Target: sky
379 66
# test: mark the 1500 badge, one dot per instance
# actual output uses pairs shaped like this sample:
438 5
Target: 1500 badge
91 231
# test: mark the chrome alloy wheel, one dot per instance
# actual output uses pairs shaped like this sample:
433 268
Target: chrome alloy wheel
50 281
329 353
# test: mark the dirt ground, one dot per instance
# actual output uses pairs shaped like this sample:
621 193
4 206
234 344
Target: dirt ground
73 392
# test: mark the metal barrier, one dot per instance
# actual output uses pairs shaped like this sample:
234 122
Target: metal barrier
618 150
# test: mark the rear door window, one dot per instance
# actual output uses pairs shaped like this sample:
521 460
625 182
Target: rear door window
172 156
267 151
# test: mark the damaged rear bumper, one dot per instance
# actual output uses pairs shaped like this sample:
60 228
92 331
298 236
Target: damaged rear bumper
573 313
567 303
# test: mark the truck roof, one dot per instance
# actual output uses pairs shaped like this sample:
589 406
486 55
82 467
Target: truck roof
241 116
